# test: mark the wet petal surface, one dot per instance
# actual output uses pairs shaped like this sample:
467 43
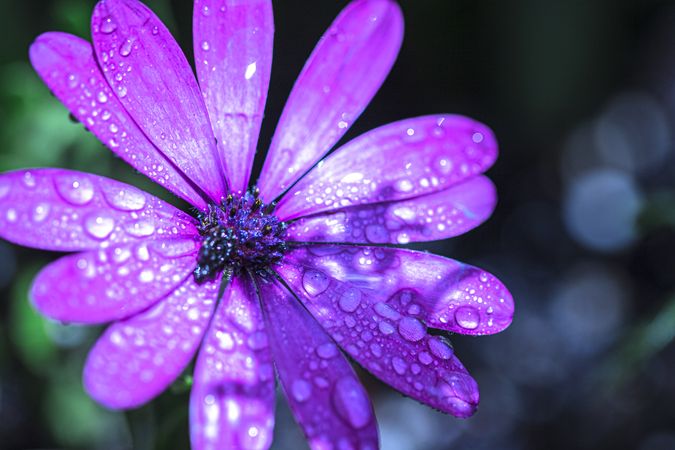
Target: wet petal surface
439 215
112 283
232 399
325 395
64 210
67 65
233 54
138 358
398 161
344 72
152 79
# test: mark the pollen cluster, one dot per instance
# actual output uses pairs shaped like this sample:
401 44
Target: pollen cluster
240 233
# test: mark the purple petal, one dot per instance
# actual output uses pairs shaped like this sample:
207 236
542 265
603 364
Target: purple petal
64 210
392 344
401 160
67 65
138 358
232 399
439 215
325 395
344 72
149 74
112 283
440 292
233 54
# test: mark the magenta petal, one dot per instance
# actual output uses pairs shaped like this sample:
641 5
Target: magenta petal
344 72
138 358
440 292
64 210
67 65
398 161
439 215
150 76
233 54
325 395
112 283
232 399
392 345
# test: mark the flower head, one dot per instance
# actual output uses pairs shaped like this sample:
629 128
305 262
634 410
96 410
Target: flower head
283 277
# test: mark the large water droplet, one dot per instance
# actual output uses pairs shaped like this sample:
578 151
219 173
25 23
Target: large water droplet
126 47
411 329
41 212
127 199
387 311
351 402
441 347
141 228
301 390
108 25
315 282
350 300
99 225
327 350
399 365
76 190
467 317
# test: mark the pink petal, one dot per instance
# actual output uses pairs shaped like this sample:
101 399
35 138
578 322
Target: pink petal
138 358
112 283
440 292
325 395
233 54
64 210
344 72
67 65
439 215
149 74
232 399
392 345
401 160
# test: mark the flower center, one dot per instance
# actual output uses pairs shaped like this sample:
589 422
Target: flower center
239 234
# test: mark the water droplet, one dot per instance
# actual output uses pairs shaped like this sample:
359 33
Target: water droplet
387 311
411 329
11 215
385 328
315 282
351 402
121 91
441 347
99 225
425 358
113 128
301 390
206 11
76 190
404 186
350 300
477 137
108 25
125 199
41 212
205 46
126 47
250 70
29 180
141 228
467 317
327 350
399 365
4 187
102 98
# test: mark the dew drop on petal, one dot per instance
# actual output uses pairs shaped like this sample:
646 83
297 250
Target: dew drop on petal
351 403
350 300
40 212
467 317
125 48
399 365
301 390
411 329
75 190
125 199
315 282
99 226
108 25
327 350
250 70
441 347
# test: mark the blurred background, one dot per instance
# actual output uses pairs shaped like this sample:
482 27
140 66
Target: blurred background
581 95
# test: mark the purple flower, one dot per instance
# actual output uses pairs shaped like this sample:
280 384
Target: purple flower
305 260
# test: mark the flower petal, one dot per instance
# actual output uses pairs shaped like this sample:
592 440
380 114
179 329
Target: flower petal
112 283
439 215
67 65
233 51
398 161
232 399
150 76
138 358
394 347
64 210
325 395
344 72
440 292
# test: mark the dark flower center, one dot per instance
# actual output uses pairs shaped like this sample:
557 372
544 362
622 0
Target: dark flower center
240 233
